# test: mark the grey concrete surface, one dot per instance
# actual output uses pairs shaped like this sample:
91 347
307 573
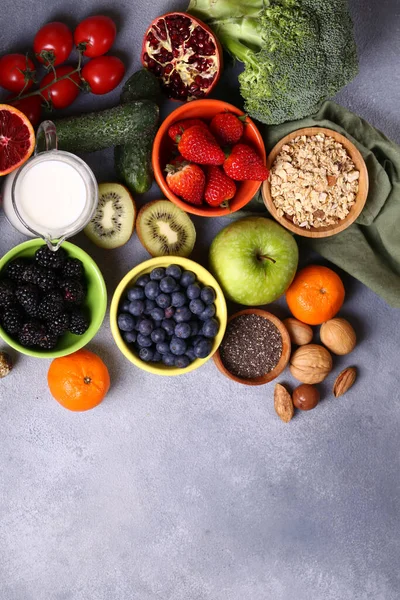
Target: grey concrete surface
190 488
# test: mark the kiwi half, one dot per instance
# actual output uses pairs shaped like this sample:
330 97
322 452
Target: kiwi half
165 229
113 222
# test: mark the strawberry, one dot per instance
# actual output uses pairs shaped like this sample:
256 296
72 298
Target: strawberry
198 145
219 187
227 127
186 180
178 128
243 164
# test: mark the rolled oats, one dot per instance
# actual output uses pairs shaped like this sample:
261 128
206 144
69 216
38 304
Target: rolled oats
314 182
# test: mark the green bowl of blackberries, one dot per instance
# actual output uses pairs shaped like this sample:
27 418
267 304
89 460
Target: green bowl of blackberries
52 303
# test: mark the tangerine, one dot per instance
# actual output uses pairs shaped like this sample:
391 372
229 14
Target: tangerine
315 295
78 381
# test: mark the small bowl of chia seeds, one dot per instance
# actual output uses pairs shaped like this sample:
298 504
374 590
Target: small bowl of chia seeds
255 348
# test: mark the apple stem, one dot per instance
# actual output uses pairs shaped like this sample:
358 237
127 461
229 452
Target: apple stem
263 257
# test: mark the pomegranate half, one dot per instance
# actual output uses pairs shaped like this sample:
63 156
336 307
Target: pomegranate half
184 54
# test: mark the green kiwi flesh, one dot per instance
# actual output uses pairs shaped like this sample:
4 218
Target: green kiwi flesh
165 229
113 222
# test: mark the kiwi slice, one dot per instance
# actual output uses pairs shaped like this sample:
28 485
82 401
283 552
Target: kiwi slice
113 222
165 229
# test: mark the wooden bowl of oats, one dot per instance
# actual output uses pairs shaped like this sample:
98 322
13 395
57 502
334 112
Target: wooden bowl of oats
318 183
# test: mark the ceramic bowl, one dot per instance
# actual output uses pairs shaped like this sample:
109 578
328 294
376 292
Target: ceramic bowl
96 301
163 148
163 261
283 361
320 232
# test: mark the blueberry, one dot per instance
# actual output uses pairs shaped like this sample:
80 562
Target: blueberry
190 354
136 293
149 305
187 278
167 284
193 291
210 328
207 313
208 295
196 306
183 330
138 321
151 290
168 359
146 354
162 347
146 326
124 306
197 339
156 357
182 361
157 324
157 274
182 314
194 327
178 299
169 326
158 335
143 341
163 300
177 346
169 312
174 271
130 337
157 314
142 280
136 307
203 348
126 322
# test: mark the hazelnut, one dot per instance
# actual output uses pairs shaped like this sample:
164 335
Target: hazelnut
305 397
311 363
338 335
5 364
299 332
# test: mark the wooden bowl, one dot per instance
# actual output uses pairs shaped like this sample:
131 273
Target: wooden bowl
320 232
283 361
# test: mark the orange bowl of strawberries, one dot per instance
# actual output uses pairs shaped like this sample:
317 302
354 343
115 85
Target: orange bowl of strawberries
209 158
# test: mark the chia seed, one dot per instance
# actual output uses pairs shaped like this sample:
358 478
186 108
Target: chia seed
252 346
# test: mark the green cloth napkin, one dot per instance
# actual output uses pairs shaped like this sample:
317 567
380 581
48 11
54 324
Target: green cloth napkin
370 248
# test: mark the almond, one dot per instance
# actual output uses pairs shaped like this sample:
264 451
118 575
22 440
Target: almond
344 381
283 403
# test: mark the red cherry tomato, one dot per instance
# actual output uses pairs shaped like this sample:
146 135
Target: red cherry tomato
103 74
62 93
16 72
97 33
53 43
31 107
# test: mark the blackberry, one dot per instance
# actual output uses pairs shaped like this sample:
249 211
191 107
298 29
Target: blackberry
59 325
79 323
73 268
44 278
47 340
27 295
12 320
49 259
15 269
7 289
30 333
51 305
73 291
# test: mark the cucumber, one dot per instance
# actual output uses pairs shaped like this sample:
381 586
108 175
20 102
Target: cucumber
133 161
99 130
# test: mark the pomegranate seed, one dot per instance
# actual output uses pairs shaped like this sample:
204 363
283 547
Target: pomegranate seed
168 69
151 64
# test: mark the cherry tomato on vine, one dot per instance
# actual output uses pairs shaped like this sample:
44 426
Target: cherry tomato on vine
31 107
53 43
103 74
97 33
62 93
16 72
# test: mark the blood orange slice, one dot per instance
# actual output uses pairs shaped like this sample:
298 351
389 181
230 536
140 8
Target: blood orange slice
17 138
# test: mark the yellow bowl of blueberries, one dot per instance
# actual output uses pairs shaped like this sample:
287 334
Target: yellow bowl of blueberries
168 315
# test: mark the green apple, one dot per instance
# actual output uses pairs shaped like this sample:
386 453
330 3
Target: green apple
254 260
